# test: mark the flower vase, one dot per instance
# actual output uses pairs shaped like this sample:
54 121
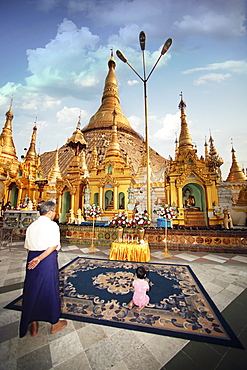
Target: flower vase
141 235
120 234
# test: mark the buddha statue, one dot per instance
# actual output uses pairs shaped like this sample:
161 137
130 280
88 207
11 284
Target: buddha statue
188 199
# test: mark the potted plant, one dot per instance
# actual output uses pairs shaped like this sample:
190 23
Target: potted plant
166 214
120 220
140 221
94 212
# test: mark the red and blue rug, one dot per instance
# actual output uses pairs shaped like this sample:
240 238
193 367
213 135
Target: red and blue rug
98 291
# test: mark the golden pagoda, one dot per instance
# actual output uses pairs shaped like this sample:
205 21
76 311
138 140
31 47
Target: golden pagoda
110 180
109 144
8 159
191 183
236 181
23 185
71 186
235 174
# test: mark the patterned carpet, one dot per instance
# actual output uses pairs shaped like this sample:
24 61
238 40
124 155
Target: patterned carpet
98 291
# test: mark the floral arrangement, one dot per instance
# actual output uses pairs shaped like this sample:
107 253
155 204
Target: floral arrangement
140 220
120 219
93 211
165 211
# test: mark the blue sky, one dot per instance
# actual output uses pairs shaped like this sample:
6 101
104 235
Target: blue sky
54 56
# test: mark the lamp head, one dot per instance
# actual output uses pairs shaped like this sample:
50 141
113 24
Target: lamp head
121 56
142 39
166 46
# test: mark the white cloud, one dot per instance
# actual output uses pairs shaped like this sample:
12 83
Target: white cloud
132 82
233 66
212 77
67 64
170 123
208 22
135 122
70 116
206 17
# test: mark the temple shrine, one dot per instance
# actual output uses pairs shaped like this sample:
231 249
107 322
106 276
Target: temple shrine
104 163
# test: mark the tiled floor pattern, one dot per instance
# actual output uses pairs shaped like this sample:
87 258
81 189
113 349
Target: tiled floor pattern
89 346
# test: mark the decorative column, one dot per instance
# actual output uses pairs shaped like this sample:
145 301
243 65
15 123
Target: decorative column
59 204
115 200
72 203
101 197
180 204
19 196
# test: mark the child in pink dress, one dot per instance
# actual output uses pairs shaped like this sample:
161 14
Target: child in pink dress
141 286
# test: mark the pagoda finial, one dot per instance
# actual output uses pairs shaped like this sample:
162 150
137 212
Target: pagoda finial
11 103
111 63
182 103
111 53
78 127
185 141
206 149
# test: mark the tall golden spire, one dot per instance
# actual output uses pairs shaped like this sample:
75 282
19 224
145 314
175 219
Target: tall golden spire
55 172
6 138
31 153
94 157
235 174
102 119
113 150
214 158
185 141
176 147
206 150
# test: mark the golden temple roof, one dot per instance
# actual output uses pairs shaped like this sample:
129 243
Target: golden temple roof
236 174
102 119
77 141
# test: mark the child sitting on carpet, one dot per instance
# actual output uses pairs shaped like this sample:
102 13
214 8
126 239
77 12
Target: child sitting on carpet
141 286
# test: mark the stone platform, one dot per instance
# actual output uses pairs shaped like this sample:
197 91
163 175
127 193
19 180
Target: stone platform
197 240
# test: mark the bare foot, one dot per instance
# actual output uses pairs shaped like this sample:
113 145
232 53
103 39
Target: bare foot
61 324
34 327
130 305
139 308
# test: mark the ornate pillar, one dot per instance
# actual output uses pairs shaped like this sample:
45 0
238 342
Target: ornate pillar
173 194
180 204
59 204
115 200
101 197
19 195
180 198
72 205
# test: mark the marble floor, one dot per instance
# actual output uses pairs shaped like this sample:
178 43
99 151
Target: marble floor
89 346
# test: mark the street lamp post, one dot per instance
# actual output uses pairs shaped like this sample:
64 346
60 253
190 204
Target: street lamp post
142 39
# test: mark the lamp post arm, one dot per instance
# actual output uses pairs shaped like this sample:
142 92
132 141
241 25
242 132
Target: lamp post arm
154 66
135 71
163 51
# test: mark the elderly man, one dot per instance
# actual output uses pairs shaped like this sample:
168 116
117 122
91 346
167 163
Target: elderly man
41 299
